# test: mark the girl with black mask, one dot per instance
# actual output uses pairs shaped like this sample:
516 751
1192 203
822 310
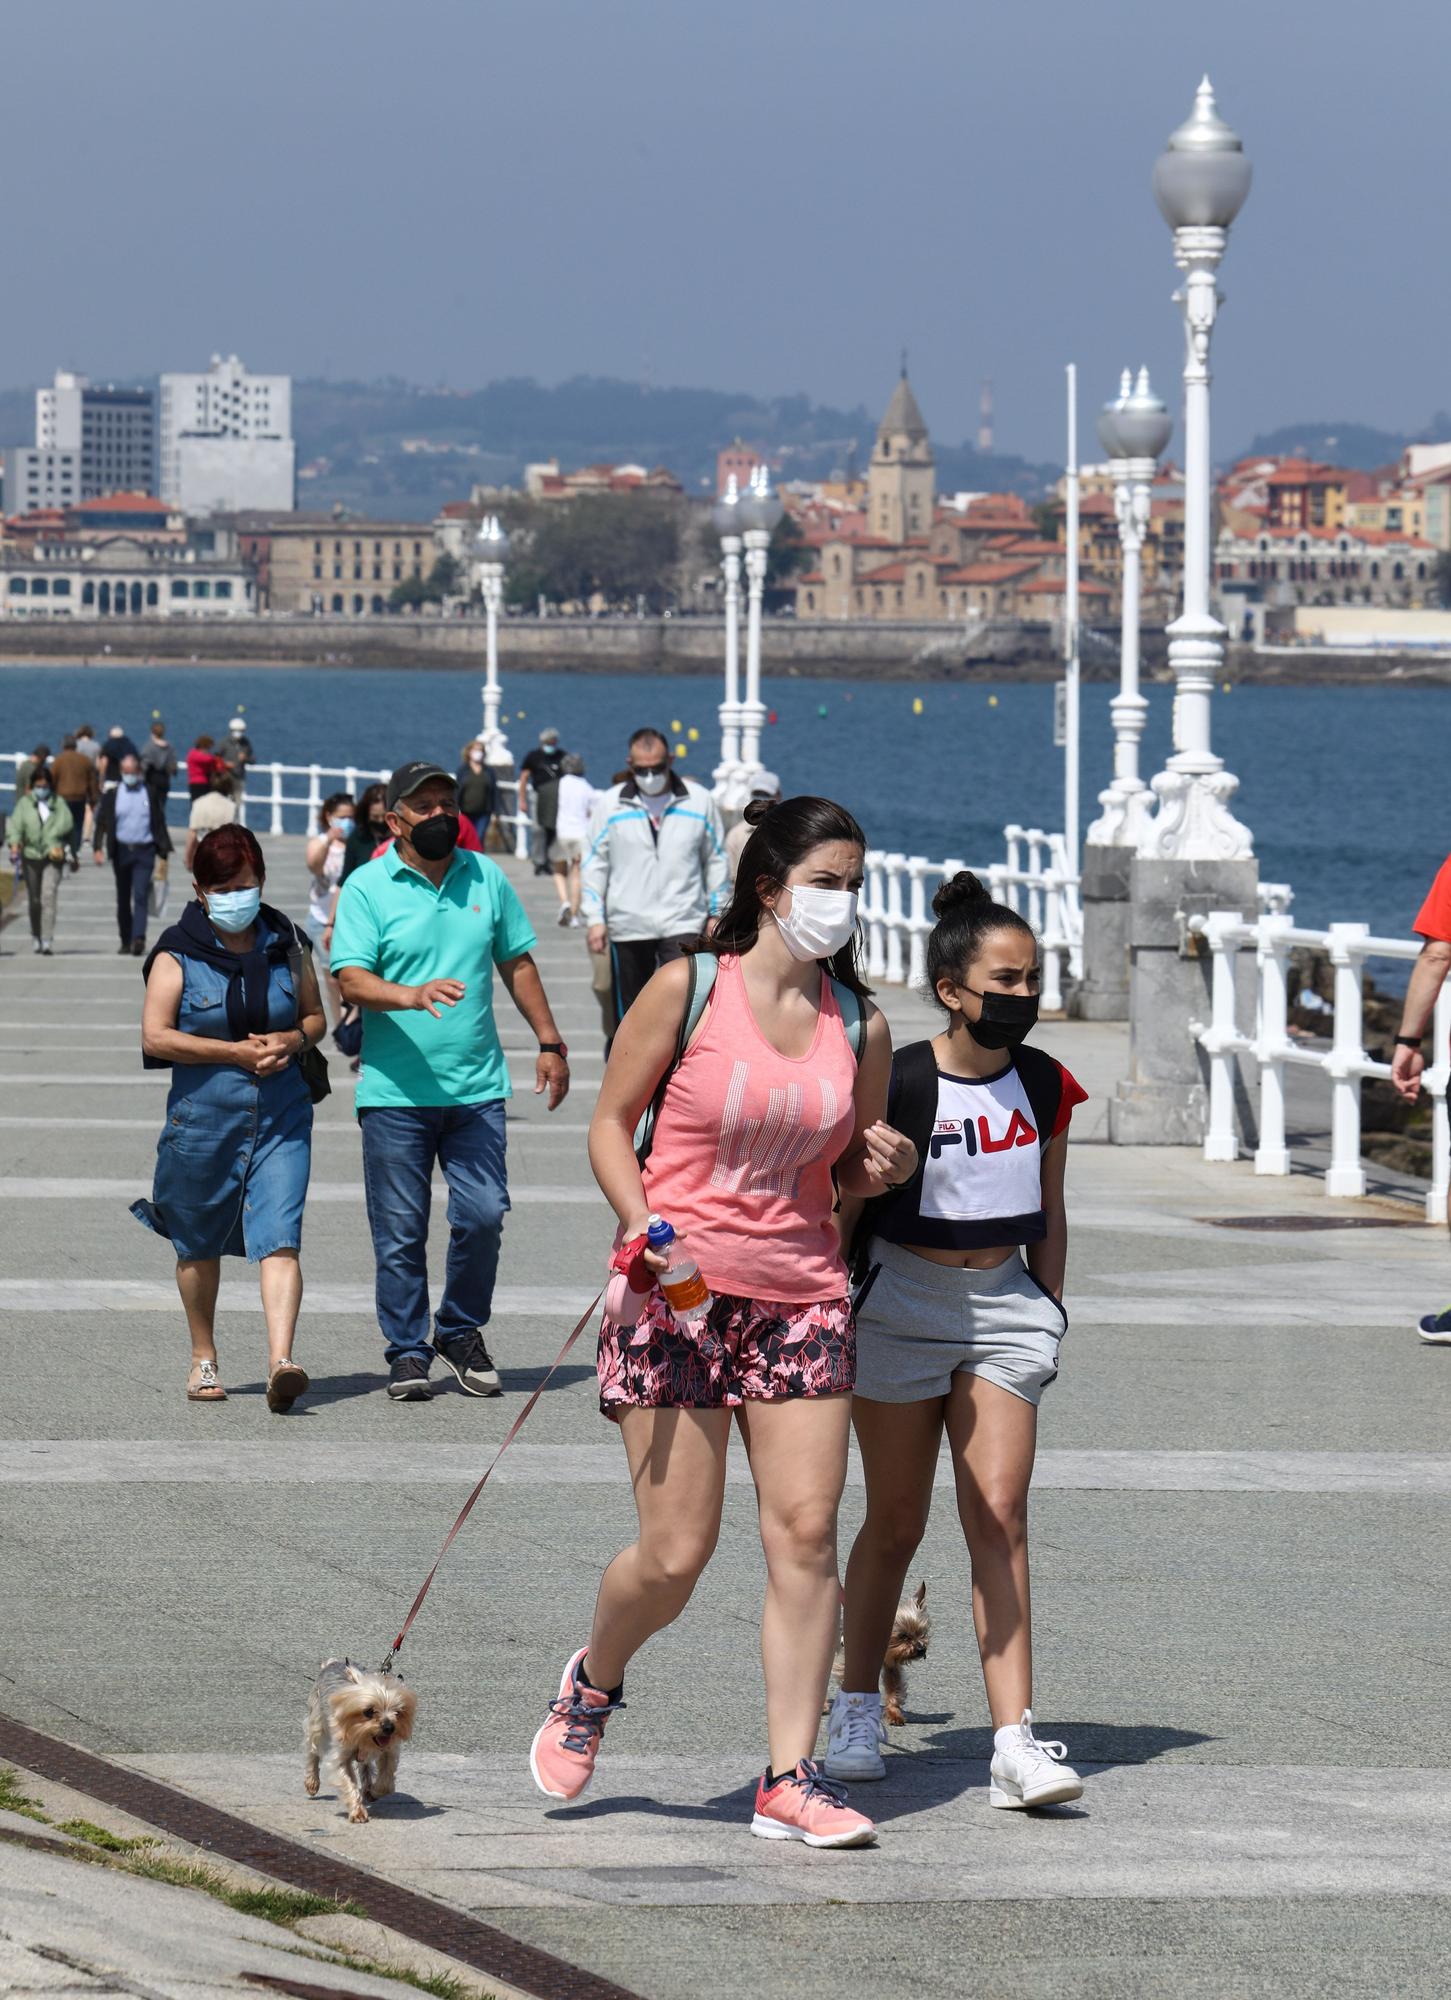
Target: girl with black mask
370 830
959 1320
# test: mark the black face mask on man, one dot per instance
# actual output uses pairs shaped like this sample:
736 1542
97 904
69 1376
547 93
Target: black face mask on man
434 838
1005 1020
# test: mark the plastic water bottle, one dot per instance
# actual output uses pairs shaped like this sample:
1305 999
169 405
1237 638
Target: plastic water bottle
686 1292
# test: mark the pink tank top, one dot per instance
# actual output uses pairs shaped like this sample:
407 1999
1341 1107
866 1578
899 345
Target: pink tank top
743 1150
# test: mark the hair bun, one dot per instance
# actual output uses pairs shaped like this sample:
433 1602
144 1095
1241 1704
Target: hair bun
963 890
756 810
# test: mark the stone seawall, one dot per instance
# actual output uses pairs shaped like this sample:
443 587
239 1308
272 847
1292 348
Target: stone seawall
598 645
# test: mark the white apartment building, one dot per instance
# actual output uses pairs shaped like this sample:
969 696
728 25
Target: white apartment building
40 478
112 431
226 440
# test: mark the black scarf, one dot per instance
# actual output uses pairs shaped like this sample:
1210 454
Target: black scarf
247 973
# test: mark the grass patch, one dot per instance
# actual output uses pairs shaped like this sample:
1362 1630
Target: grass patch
100 1836
12 1799
443 1985
275 1905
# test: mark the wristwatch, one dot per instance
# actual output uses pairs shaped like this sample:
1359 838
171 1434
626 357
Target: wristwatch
1409 1041
554 1049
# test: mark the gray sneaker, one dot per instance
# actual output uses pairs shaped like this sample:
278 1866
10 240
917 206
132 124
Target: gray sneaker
472 1363
408 1380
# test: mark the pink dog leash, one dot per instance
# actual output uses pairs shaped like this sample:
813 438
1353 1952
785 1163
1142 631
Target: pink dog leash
509 1437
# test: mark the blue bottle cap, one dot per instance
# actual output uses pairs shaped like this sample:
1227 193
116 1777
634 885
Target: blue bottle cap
660 1233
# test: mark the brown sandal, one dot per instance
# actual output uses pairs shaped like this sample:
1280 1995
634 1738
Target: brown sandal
285 1384
202 1385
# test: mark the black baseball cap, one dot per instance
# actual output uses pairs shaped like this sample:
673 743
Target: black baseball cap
408 777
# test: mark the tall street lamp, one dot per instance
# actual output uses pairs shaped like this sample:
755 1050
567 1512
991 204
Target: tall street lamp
491 551
1200 183
726 516
760 510
1134 432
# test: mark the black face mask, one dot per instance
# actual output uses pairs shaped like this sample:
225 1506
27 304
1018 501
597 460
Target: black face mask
378 827
1006 1018
433 839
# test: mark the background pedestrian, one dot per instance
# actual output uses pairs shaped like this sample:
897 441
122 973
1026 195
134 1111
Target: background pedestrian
477 790
571 831
539 773
216 806
158 760
130 828
75 780
39 832
201 761
326 852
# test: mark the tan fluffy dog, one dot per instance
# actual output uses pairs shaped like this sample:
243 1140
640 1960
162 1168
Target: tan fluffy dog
359 1722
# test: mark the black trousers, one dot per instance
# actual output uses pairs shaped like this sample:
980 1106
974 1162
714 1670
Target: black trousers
133 863
634 963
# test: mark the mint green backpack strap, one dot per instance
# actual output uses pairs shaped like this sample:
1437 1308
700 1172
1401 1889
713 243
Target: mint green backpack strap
853 1016
702 967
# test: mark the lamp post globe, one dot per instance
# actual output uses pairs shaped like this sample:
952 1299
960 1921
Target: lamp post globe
1134 430
491 552
761 509
1200 182
1202 176
726 519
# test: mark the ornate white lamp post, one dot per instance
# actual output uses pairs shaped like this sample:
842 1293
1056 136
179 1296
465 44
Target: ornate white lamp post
1200 183
726 516
1134 432
760 510
491 551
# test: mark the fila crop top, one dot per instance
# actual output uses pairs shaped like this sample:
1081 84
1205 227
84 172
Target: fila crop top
979 1184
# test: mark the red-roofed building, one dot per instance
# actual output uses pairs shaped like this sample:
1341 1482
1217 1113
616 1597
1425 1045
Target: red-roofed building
1325 566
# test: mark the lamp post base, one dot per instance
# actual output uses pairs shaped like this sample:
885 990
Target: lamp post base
1164 1100
1103 992
1194 822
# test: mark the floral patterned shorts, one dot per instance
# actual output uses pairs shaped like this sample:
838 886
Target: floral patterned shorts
748 1351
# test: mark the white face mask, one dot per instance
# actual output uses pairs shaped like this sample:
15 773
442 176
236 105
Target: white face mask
819 922
651 783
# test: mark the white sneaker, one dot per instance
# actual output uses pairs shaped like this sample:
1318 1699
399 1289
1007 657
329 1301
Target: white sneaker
855 1733
1028 1773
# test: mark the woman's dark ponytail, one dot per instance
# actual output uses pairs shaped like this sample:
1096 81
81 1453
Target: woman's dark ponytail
966 915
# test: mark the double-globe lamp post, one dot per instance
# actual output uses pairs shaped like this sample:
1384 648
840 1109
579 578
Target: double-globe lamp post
1134 431
726 517
491 552
1200 183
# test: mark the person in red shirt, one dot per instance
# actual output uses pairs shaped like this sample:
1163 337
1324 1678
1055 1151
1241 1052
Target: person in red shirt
1428 975
201 762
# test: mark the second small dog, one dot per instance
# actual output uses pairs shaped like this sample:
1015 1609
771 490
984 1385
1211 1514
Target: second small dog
359 1722
910 1630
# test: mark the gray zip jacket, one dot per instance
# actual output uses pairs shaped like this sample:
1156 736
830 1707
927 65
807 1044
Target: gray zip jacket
646 880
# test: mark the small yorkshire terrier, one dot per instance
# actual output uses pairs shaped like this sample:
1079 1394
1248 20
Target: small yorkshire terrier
359 1722
910 1629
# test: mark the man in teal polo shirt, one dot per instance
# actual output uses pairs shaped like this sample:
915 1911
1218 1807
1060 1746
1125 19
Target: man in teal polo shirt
416 938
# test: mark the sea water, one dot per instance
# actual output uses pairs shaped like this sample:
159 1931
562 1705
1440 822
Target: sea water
1341 787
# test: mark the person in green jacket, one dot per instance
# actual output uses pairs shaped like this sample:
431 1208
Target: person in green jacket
40 826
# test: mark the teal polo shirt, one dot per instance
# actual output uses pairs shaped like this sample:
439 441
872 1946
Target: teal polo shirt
392 921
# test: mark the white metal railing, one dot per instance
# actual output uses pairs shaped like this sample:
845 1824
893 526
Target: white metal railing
1273 937
270 793
1033 878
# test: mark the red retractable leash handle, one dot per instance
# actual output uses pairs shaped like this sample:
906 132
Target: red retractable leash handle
468 1506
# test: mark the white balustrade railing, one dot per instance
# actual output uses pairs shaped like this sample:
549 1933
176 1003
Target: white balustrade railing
1272 937
270 794
897 916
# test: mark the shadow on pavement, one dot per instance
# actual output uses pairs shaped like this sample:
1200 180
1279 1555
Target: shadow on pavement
1088 1742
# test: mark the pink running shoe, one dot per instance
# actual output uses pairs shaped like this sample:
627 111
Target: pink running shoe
807 1807
562 1755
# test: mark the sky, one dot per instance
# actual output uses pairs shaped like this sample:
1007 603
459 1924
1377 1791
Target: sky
775 196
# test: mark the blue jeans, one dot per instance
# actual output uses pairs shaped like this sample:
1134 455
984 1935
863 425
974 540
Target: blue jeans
400 1145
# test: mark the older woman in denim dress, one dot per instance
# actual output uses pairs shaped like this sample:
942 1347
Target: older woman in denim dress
231 1004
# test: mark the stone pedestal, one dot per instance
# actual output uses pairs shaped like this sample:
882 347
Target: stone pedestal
1164 1100
1103 993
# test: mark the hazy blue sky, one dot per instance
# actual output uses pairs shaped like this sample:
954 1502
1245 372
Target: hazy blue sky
773 195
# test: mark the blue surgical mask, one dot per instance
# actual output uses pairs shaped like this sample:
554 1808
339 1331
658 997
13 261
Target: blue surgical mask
41 792
234 909
131 779
344 827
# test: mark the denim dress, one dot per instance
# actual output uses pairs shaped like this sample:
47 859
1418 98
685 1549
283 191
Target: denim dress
233 1159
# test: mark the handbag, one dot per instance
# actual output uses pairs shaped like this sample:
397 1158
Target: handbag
157 893
348 1034
312 1064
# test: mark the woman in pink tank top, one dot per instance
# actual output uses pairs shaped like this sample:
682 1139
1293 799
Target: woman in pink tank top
768 1112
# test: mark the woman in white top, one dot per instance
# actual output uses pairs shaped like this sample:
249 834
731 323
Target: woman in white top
325 855
571 829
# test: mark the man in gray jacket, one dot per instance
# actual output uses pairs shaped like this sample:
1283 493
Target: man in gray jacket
654 869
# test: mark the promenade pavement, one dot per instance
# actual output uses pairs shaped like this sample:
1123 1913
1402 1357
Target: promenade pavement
1240 1527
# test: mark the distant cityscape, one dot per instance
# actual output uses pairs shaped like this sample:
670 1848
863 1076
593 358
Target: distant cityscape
182 502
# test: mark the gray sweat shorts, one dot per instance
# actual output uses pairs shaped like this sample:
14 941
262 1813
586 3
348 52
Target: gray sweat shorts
923 1323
